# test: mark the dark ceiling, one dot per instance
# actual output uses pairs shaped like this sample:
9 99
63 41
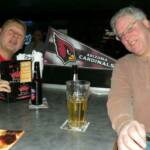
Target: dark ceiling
85 20
65 8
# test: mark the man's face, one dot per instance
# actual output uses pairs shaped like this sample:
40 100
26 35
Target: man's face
37 35
12 37
134 34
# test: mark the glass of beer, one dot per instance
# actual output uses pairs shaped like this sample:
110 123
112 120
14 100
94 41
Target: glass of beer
77 93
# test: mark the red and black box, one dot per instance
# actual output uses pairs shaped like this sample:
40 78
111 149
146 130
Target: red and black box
19 74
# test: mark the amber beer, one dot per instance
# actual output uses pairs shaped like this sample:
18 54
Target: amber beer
77 96
77 109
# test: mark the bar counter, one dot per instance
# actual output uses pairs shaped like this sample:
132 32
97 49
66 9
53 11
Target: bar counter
42 127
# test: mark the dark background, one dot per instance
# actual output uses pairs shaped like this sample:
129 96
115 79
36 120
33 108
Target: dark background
85 20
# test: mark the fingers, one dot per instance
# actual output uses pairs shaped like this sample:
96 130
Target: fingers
4 86
138 134
141 130
121 145
127 144
132 137
131 144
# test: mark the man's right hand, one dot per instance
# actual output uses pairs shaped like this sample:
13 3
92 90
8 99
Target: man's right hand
4 86
132 136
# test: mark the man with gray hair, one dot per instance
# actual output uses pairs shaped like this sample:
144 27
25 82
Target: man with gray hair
129 98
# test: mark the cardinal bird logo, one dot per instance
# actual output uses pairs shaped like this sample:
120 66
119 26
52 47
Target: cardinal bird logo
65 51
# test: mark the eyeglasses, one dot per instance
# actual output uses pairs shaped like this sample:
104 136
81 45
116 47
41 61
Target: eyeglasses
14 33
130 28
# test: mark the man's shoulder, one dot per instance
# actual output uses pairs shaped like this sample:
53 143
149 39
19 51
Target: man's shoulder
3 59
126 61
127 58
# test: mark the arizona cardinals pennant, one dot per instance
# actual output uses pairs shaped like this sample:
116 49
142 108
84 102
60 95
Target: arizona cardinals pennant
64 50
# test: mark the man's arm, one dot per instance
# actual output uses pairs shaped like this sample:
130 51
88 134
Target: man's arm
131 133
119 103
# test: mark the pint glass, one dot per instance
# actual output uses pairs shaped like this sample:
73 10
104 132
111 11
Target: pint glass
77 93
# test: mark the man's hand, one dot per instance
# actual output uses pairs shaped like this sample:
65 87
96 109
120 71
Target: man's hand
4 86
132 136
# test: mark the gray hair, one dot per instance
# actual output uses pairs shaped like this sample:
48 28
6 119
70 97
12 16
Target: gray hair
136 13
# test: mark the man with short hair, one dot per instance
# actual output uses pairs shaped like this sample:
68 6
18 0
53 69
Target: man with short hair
12 34
129 98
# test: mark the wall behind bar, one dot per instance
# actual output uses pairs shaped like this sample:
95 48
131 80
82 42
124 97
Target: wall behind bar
60 74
